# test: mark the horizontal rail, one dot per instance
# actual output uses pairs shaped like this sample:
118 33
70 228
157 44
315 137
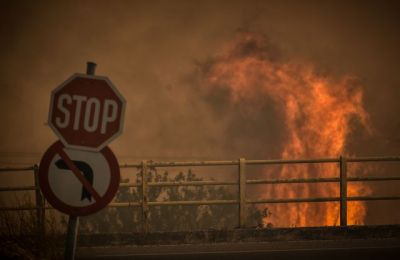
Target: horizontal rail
232 162
263 162
180 164
297 200
23 208
177 183
16 169
174 203
192 183
302 180
22 188
138 204
129 185
297 161
205 183
324 199
318 180
195 202
374 159
223 202
389 178
124 204
236 162
361 198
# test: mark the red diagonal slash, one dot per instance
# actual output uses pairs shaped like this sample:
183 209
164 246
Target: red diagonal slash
78 174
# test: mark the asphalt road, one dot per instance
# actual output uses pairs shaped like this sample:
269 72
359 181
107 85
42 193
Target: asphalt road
295 250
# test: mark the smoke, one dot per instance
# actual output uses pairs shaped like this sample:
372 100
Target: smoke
152 51
317 112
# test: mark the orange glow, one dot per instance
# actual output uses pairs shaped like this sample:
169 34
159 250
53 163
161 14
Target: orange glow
317 111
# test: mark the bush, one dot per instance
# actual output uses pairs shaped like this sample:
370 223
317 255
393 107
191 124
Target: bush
171 217
21 238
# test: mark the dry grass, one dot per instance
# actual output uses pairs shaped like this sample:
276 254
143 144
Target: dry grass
21 237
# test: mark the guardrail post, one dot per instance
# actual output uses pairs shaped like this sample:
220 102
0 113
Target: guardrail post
145 199
343 191
40 208
242 192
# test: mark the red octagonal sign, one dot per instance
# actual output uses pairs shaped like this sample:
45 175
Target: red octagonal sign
86 112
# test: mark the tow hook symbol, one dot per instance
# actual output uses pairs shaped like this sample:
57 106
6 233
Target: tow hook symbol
87 173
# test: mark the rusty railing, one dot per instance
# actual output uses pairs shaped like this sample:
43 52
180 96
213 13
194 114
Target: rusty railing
242 183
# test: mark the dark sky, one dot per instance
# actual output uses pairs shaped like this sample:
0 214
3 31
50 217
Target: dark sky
153 51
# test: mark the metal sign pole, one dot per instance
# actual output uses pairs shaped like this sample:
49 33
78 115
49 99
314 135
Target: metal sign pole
72 233
73 222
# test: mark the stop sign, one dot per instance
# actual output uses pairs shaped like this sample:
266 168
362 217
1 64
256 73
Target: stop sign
86 112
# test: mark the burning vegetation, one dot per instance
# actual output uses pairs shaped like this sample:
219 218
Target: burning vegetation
318 111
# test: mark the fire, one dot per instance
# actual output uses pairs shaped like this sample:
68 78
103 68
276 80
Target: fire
317 111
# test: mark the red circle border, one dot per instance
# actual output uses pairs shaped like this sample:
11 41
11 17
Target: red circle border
71 210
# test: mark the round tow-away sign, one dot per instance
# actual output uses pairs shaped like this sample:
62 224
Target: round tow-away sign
78 182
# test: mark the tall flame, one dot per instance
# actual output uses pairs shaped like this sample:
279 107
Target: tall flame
317 111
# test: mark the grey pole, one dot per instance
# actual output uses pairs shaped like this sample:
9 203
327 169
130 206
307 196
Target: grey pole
90 68
73 221
72 234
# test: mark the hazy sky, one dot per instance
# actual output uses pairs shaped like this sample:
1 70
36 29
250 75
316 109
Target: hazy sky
152 51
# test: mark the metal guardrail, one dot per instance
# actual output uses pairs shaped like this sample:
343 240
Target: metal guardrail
242 183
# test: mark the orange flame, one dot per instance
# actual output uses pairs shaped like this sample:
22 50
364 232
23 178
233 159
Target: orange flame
317 112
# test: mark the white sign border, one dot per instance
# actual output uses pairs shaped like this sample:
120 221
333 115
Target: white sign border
122 119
